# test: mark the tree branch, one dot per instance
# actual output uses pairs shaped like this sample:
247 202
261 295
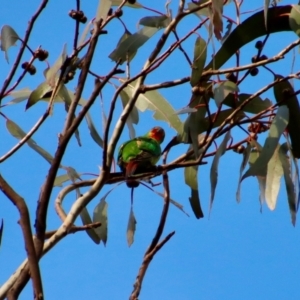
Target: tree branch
33 263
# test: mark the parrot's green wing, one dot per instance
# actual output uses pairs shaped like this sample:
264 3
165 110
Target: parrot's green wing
139 152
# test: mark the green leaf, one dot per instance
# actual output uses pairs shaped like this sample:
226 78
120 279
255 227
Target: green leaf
18 133
254 155
289 185
282 92
246 155
93 132
51 74
131 228
1 230
103 9
154 101
59 180
100 215
215 165
8 38
130 54
255 106
278 20
118 2
278 125
223 89
274 174
38 94
191 179
132 43
294 19
155 21
86 219
200 53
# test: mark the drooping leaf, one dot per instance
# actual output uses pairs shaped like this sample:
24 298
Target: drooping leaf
103 8
283 92
200 53
278 125
52 73
85 33
8 38
191 179
255 106
217 8
94 133
294 19
254 155
59 180
131 228
18 133
274 174
278 20
266 8
38 94
130 54
118 2
154 101
155 21
214 167
223 89
132 43
246 155
289 185
86 219
100 215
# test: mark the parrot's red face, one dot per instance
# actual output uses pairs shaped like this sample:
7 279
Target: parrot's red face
157 133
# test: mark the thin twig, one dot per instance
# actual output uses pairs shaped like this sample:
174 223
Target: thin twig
20 54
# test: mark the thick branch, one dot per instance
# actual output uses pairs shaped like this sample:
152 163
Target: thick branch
19 202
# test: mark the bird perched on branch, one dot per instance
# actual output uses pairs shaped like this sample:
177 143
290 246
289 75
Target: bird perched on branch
141 153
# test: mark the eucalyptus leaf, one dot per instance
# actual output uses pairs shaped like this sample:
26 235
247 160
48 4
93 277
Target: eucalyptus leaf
155 21
131 228
18 133
215 165
246 155
223 89
86 220
200 53
8 38
100 215
103 9
132 43
191 179
289 184
284 95
154 101
278 126
274 174
294 19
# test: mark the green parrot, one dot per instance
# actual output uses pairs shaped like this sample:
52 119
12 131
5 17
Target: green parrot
140 153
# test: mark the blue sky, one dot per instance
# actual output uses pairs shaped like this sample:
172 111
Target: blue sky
237 253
